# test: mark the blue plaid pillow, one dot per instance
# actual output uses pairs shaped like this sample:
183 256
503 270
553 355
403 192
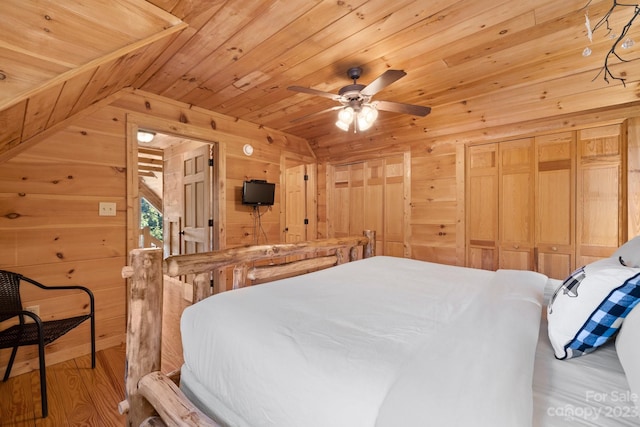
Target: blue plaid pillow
590 305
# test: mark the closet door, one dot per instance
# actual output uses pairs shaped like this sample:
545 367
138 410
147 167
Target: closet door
516 165
395 206
340 192
555 204
482 206
601 189
371 195
374 195
347 211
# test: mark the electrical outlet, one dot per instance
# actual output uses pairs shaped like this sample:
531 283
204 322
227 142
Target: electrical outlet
107 209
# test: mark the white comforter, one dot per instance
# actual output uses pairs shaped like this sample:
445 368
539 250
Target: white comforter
383 342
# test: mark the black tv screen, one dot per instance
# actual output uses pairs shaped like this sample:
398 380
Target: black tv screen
257 192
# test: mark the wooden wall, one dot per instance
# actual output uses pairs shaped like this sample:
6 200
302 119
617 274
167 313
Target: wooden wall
50 229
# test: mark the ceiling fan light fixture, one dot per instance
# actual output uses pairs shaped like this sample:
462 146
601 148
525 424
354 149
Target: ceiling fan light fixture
346 115
345 118
343 125
366 117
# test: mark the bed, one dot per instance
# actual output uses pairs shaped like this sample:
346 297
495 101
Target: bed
377 341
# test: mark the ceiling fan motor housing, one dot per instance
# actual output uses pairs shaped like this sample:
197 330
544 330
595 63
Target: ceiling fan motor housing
351 92
354 73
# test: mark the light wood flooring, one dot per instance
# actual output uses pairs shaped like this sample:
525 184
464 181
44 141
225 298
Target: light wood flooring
79 395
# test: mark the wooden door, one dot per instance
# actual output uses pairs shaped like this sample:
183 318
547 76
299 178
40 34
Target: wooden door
196 201
394 207
482 206
555 204
347 210
356 198
375 197
372 195
295 204
516 204
338 213
601 189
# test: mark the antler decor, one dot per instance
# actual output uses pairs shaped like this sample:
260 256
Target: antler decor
620 40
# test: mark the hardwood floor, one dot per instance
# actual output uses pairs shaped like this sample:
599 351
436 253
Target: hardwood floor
81 396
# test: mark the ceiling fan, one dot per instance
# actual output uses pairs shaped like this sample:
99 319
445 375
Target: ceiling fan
356 104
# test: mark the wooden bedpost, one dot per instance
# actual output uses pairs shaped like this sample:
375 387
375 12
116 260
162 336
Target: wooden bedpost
201 287
144 328
240 276
370 248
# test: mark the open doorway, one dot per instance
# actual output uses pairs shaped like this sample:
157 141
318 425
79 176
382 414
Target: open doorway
176 178
150 186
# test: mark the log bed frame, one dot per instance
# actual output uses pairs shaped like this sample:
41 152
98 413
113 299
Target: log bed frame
153 398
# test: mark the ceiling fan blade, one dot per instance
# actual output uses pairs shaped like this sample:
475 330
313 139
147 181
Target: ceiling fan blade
314 92
384 80
397 107
317 113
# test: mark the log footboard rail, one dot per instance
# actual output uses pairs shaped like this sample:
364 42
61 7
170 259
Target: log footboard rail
153 398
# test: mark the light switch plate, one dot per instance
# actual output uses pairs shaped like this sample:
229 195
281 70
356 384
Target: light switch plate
107 209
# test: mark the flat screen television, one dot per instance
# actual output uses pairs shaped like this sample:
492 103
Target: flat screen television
258 193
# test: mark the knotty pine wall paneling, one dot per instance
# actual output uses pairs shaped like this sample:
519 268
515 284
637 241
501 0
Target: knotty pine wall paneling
240 218
50 230
50 193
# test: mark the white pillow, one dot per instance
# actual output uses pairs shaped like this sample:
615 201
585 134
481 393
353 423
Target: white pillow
629 253
628 348
589 306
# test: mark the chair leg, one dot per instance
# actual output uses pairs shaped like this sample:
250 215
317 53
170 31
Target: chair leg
43 381
43 374
10 364
93 341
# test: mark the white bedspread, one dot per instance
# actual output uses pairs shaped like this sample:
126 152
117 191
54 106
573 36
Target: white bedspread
380 342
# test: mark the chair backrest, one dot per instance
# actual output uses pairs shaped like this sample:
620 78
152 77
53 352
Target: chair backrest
9 294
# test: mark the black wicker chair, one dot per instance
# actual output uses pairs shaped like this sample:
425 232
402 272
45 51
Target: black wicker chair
38 332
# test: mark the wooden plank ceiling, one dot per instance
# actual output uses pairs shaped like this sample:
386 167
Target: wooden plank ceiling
478 64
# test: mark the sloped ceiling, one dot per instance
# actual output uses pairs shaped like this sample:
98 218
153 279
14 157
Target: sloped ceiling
479 64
